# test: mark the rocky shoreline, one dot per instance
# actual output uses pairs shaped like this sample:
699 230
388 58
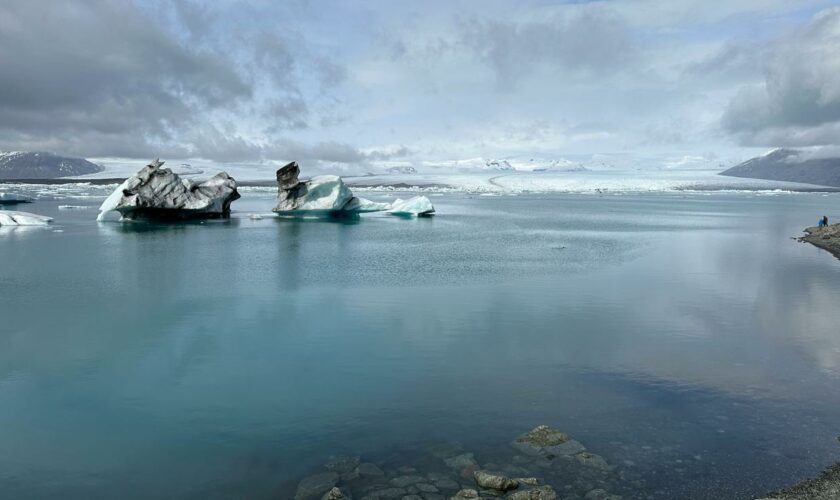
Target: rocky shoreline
543 464
827 238
824 487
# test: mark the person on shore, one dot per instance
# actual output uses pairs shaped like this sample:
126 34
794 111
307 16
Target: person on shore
821 222
825 221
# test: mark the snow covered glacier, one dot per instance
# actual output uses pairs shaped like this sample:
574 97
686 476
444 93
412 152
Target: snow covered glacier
329 195
156 192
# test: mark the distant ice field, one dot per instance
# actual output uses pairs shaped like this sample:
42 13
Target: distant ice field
486 183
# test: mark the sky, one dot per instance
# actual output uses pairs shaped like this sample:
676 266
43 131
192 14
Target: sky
355 84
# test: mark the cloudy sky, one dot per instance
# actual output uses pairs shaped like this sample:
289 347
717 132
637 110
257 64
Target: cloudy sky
358 83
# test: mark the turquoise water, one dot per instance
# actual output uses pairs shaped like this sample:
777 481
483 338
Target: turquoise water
684 337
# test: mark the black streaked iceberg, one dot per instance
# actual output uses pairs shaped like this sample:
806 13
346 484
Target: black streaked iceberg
159 193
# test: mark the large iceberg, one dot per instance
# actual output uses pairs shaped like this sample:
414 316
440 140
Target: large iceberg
10 218
329 195
159 193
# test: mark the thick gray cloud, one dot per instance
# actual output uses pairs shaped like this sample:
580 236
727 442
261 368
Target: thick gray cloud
589 40
349 84
798 104
107 78
94 75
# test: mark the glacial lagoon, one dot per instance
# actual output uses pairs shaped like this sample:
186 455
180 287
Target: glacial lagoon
682 336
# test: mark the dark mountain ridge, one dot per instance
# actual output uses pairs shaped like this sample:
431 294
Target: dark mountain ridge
789 165
38 165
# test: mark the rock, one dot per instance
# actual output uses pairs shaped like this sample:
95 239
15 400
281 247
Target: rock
333 494
412 497
592 460
541 493
315 486
386 493
601 494
568 448
329 195
542 436
494 482
369 470
156 192
464 494
342 464
10 218
447 484
469 471
446 450
403 481
426 487
528 481
460 461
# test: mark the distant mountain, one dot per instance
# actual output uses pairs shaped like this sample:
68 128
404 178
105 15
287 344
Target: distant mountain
789 165
21 165
402 170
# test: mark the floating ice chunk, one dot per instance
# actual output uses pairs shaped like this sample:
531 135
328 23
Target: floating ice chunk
417 206
73 207
12 199
160 193
9 218
361 205
329 195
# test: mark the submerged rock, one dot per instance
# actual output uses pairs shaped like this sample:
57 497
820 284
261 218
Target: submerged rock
10 218
315 486
156 192
460 461
369 470
547 441
541 493
494 482
542 436
342 465
403 481
465 494
333 494
592 460
329 195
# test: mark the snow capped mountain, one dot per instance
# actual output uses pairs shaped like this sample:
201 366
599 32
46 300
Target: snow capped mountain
26 165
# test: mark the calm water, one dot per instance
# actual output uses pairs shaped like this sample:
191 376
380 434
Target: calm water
684 337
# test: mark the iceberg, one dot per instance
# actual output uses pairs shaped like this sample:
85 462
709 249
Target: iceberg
159 193
10 218
329 195
419 206
13 199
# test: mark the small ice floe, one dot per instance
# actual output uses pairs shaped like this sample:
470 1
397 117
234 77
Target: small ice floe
13 199
72 207
255 217
9 218
419 206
